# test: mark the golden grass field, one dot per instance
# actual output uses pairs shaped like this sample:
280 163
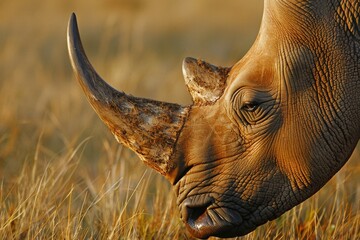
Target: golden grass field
62 174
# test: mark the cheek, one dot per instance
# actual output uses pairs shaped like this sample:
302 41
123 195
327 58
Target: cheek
214 142
259 144
293 149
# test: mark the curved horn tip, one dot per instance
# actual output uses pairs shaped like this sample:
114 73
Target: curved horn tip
73 18
73 39
93 85
72 25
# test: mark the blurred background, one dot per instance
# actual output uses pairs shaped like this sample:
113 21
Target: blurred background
63 175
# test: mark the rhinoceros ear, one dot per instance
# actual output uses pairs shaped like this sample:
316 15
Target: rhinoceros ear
205 82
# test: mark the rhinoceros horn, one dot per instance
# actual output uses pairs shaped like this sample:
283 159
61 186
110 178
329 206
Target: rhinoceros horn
205 82
150 128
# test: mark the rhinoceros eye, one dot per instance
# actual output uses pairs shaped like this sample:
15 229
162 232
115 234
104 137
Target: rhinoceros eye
250 106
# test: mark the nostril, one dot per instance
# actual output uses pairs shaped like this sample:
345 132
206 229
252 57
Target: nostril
194 213
203 217
194 210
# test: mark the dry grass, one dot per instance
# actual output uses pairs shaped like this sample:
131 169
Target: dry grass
61 173
57 199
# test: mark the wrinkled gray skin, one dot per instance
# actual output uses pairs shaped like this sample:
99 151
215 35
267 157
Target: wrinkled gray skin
262 136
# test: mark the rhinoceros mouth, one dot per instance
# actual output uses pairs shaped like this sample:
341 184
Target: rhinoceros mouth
204 218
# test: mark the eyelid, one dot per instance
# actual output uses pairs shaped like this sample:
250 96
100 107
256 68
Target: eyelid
246 95
250 97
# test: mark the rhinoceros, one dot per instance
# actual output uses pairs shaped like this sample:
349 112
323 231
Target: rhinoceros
261 136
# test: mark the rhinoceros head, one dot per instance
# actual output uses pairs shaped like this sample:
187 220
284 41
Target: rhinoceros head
261 136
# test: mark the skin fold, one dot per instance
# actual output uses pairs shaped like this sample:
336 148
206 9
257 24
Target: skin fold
261 136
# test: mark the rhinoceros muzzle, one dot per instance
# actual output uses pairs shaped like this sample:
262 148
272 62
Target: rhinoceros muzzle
205 217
